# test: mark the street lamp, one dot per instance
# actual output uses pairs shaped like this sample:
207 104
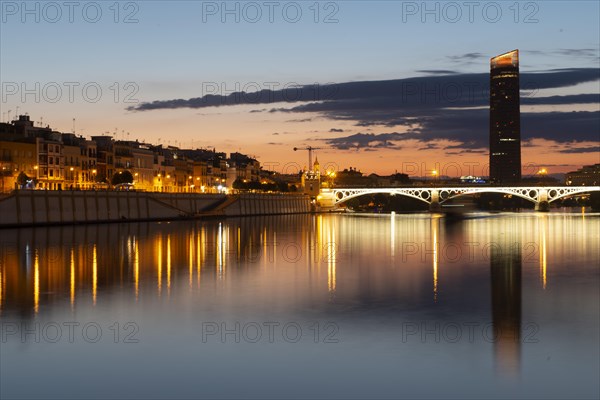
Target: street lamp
331 175
37 174
3 173
542 173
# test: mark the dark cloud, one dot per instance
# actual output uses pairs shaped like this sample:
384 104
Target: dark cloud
300 120
365 140
467 57
591 98
458 90
562 126
429 108
336 130
576 150
437 71
581 53
467 151
430 146
470 129
578 52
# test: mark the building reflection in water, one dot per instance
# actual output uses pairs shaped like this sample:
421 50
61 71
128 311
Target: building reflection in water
505 269
330 254
435 244
159 264
543 229
72 280
94 274
81 264
36 283
1 286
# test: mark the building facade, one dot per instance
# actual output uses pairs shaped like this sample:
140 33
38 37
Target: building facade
505 119
16 157
589 175
65 161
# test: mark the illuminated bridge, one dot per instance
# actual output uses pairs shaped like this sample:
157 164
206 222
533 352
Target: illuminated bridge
542 196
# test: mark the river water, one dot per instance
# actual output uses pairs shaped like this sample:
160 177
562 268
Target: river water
345 306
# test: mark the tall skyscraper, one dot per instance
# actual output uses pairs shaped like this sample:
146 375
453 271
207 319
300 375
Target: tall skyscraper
505 119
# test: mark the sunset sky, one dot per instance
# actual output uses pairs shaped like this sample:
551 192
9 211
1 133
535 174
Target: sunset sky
381 86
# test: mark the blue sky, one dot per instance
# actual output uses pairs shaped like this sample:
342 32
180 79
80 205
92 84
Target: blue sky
175 51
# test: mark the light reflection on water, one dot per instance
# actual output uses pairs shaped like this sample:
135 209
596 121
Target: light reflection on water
494 305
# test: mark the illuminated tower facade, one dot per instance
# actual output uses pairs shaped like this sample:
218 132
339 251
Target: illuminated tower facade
311 180
505 119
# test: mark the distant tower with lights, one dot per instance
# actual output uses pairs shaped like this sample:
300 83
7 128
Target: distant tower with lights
505 119
311 180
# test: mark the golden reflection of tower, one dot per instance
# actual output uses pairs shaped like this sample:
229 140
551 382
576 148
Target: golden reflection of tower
136 269
544 249
505 266
158 247
331 256
1 281
94 273
36 283
435 231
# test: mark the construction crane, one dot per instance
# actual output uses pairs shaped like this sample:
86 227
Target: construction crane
310 150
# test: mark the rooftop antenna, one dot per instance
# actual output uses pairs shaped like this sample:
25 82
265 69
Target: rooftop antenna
17 113
9 111
73 125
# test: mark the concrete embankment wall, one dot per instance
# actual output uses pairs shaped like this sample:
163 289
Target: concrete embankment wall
41 207
267 204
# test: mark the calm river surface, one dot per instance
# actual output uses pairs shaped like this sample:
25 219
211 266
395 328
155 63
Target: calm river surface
345 306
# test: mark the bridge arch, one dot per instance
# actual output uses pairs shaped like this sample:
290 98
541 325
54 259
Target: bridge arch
343 195
560 193
527 194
